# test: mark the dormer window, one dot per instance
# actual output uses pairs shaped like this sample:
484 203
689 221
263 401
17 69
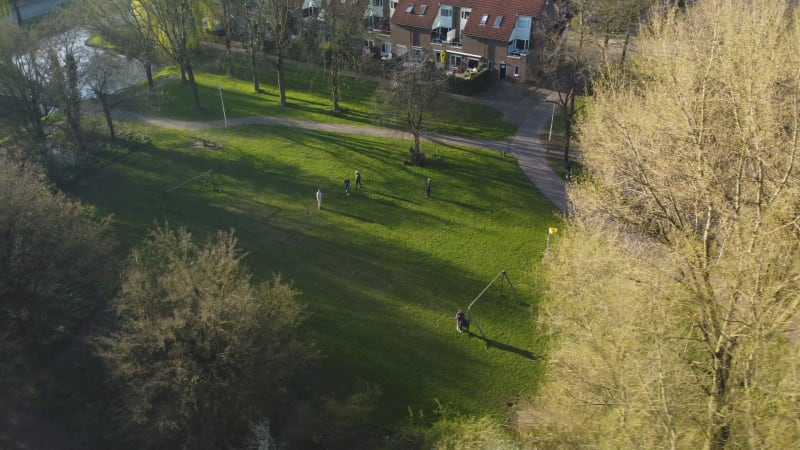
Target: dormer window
423 10
497 21
484 19
410 8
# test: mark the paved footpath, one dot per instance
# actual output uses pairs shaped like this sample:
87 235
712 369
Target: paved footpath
532 114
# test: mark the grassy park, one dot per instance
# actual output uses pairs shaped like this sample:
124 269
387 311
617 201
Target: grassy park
382 271
308 96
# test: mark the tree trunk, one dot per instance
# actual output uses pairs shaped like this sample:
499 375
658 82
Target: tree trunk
228 54
281 82
335 90
253 56
625 48
183 74
148 70
195 94
568 111
718 426
107 112
17 14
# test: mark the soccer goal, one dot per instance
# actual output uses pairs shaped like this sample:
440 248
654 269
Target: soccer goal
503 277
206 177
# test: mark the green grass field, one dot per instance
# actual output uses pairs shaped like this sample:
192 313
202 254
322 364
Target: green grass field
382 271
308 95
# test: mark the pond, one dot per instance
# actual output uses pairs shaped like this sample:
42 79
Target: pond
120 71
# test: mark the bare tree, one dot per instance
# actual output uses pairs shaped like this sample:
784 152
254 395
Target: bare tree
343 26
230 13
66 61
610 20
414 91
271 26
283 16
566 65
118 23
676 296
257 28
24 82
174 25
102 77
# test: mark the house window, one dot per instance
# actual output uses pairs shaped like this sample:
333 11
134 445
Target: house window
484 19
523 22
402 50
446 11
423 10
516 71
455 60
465 14
497 21
377 2
393 4
410 8
386 49
417 54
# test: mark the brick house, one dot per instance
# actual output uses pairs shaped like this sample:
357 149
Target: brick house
471 33
375 14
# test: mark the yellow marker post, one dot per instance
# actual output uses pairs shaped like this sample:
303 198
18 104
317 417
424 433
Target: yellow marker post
550 231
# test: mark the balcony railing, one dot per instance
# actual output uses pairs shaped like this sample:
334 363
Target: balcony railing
517 53
437 41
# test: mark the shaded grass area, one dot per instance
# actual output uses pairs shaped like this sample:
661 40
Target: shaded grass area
382 271
308 95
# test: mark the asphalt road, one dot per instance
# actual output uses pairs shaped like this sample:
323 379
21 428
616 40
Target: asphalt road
29 9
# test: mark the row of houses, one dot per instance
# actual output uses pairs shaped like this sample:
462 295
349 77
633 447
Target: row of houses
459 35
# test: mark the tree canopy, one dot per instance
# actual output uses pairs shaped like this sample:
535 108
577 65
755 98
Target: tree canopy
54 256
676 292
200 351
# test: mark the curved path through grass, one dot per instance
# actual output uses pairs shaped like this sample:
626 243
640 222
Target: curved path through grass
526 146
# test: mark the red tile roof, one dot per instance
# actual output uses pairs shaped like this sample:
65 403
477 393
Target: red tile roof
509 9
414 19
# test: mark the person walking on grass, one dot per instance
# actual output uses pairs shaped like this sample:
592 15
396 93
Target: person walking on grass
319 199
358 181
428 188
347 186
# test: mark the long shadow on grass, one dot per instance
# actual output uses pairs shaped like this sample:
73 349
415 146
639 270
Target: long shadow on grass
527 354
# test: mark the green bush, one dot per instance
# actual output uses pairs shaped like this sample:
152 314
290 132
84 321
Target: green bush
470 86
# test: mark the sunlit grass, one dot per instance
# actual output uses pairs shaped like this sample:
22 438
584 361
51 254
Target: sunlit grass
382 271
308 97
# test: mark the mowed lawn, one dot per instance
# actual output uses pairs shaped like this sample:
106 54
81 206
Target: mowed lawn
383 271
308 97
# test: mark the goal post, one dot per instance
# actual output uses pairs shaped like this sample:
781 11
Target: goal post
208 176
502 276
